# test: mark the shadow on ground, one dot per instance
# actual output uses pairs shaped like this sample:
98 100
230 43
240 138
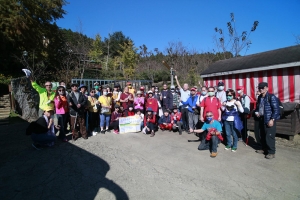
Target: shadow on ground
62 172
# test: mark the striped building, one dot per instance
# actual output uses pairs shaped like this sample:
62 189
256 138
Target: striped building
280 68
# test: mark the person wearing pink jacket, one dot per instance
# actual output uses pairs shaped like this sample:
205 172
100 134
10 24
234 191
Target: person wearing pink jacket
62 111
139 101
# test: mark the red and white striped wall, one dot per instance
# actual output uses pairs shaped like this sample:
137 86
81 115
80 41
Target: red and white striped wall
283 82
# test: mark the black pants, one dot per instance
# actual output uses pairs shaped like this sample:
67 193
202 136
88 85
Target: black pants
257 130
185 118
114 125
151 126
245 129
267 136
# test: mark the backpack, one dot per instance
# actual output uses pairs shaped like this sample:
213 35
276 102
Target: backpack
281 109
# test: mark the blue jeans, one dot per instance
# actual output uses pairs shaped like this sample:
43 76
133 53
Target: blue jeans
230 130
43 138
142 125
212 144
62 121
104 119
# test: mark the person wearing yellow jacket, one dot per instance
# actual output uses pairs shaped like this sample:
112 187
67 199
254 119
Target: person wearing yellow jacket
46 96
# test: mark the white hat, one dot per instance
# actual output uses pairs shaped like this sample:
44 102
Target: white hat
150 91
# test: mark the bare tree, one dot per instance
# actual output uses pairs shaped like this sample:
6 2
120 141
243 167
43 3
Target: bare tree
235 43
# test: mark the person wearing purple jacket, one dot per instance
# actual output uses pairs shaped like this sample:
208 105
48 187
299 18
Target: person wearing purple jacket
166 98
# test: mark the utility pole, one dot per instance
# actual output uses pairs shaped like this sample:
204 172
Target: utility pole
172 72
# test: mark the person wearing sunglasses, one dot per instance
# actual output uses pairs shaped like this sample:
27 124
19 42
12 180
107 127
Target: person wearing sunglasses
211 134
62 111
231 118
46 95
267 111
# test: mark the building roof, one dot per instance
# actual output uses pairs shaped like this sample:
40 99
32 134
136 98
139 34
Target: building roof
278 58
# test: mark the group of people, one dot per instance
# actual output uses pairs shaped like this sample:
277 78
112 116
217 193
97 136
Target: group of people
212 113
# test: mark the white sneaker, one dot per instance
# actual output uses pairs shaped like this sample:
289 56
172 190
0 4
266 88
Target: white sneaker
94 133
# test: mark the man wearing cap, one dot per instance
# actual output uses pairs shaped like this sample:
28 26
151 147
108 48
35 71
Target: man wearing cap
245 101
46 95
193 110
184 95
267 110
166 98
221 94
41 131
77 103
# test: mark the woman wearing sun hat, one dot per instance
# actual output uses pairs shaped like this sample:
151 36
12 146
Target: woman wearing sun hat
139 101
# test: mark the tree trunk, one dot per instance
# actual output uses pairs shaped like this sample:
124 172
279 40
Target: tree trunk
27 98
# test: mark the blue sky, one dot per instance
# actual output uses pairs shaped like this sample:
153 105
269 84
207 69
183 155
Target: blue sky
155 23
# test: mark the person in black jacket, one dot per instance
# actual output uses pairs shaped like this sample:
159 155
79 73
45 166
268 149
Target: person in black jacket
77 103
267 110
42 131
166 98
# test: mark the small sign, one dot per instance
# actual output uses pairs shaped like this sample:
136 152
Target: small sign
130 124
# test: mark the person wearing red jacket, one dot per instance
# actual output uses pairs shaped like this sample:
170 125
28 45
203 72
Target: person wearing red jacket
176 120
152 102
164 121
150 122
129 112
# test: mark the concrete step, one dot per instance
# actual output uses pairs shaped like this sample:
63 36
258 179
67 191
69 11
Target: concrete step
3 116
4 112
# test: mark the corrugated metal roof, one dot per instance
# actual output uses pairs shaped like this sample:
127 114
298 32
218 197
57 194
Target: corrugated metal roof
268 58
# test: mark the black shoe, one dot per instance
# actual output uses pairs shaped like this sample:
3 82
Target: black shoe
36 146
103 131
270 156
107 130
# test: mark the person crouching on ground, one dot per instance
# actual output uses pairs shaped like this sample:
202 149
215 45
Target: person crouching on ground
140 115
164 121
41 133
150 122
231 119
176 120
129 112
213 136
115 116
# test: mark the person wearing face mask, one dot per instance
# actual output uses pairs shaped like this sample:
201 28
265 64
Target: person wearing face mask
211 134
232 122
221 94
83 90
93 109
176 97
105 112
62 110
245 101
211 103
193 110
